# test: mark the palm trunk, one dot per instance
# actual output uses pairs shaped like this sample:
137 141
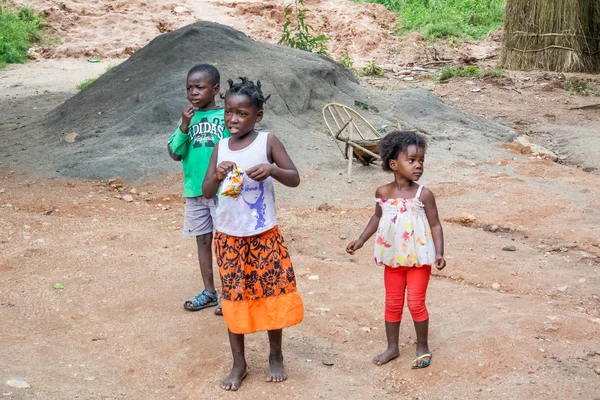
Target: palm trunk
553 35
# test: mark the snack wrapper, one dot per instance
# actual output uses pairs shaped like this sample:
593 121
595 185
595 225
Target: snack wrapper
232 184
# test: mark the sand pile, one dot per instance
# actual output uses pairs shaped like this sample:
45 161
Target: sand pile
119 125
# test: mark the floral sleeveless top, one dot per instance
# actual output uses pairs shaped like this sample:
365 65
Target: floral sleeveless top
403 238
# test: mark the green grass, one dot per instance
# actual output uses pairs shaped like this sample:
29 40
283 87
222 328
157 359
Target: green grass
467 72
19 30
472 19
88 82
580 87
85 84
371 69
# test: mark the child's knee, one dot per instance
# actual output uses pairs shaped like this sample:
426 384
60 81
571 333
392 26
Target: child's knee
393 309
204 241
418 310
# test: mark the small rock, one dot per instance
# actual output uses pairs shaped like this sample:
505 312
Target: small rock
133 191
180 10
128 198
70 137
2 190
496 286
542 350
494 228
468 219
144 194
537 149
509 248
324 207
365 329
563 288
18 384
343 237
512 322
582 280
313 278
548 327
597 371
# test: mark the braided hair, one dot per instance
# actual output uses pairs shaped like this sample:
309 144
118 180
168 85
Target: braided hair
248 88
397 142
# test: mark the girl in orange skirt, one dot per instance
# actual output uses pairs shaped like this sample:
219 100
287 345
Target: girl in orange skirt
259 286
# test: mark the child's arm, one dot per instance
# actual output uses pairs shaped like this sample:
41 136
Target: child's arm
215 174
178 143
369 230
437 233
282 169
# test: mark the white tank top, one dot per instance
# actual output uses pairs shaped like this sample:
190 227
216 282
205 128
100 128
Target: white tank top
253 212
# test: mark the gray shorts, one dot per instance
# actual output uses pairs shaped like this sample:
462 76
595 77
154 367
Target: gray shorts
198 215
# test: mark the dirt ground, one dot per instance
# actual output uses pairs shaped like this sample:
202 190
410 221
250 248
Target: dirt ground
118 329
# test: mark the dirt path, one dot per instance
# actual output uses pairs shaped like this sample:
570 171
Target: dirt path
118 330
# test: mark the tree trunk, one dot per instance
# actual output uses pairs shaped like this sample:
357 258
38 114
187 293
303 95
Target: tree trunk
552 35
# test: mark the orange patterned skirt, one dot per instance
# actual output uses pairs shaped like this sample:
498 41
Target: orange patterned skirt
259 285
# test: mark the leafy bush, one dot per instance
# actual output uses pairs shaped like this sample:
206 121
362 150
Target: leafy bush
298 34
18 31
371 69
346 60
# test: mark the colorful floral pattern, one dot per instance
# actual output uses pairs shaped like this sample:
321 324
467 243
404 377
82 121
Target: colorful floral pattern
259 285
254 267
403 238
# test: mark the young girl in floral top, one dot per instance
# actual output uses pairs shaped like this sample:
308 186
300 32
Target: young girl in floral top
409 240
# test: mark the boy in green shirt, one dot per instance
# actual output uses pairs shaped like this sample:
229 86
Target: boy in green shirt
202 126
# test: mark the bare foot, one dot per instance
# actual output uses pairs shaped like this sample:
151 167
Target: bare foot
385 357
276 368
234 379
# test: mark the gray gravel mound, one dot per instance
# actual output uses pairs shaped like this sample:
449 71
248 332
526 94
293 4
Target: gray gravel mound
124 118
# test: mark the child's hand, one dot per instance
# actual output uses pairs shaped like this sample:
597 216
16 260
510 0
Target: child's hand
440 263
186 118
354 246
224 168
260 172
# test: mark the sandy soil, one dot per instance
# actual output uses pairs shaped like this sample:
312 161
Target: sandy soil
118 330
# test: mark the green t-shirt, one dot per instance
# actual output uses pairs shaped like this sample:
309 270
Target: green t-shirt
195 147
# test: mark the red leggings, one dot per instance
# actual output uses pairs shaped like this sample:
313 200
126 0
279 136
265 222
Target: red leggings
413 280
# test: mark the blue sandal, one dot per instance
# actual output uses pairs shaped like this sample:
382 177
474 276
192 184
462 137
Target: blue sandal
203 300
